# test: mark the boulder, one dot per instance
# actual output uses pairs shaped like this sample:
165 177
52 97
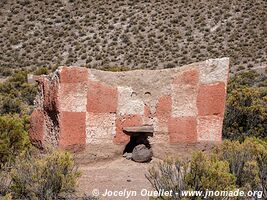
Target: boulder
142 154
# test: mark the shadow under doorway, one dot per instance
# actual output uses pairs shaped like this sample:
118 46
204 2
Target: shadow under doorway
135 140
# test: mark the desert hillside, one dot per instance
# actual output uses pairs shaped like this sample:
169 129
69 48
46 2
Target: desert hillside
77 133
131 34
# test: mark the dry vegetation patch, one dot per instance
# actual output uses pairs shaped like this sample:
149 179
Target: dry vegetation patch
133 34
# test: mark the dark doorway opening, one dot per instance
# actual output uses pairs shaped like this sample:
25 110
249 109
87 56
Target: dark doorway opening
136 139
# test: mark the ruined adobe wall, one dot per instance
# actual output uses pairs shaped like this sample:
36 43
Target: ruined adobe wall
79 106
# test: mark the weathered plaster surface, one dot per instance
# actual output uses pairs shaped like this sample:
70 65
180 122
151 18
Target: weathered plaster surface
78 106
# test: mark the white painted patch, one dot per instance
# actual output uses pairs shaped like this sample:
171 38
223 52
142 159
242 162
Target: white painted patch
160 126
100 128
184 100
128 103
91 75
159 138
214 70
73 97
209 128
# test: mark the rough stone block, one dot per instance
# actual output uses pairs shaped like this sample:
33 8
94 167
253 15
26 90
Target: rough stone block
72 130
183 130
37 128
73 75
50 94
100 128
101 98
209 128
142 154
211 99
125 121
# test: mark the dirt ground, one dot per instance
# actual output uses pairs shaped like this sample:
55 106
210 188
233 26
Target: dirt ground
104 168
115 175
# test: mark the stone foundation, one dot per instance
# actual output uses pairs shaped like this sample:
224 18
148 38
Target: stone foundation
78 106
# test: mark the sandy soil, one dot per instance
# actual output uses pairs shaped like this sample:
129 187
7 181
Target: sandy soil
114 175
103 168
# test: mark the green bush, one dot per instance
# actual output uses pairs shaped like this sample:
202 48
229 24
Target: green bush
8 196
201 173
36 176
13 137
25 172
16 95
208 172
248 162
246 108
10 104
231 166
18 78
41 70
28 93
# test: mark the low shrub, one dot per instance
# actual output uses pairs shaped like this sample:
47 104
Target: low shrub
229 167
41 70
16 95
246 108
13 137
201 173
10 104
41 176
27 173
248 162
209 172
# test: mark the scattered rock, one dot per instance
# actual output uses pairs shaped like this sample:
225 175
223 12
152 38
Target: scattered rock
128 156
142 154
